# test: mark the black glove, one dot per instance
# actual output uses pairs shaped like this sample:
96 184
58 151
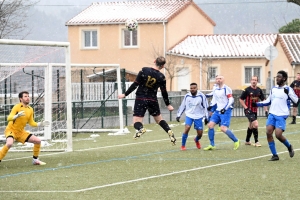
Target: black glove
254 104
205 121
286 90
222 111
178 119
209 108
267 114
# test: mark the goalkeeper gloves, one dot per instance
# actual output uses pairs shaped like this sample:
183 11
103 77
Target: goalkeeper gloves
43 123
178 119
206 121
222 111
21 113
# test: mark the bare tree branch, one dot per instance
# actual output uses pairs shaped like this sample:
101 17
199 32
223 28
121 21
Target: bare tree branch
13 15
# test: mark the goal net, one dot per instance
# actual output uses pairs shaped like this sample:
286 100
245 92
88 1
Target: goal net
75 98
31 66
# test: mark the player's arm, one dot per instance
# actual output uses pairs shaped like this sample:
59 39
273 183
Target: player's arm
230 98
205 106
242 99
209 95
291 94
164 93
15 113
182 107
135 84
266 102
31 121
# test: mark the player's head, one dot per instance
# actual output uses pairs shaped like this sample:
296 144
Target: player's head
298 76
219 80
24 97
281 77
254 81
160 62
193 88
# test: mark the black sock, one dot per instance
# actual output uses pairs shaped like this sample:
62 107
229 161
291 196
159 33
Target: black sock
249 133
294 118
138 125
255 134
34 157
164 125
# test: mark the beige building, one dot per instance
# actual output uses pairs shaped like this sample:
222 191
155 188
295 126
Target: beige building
98 35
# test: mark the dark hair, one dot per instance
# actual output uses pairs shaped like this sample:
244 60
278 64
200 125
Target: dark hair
283 73
21 94
193 84
160 61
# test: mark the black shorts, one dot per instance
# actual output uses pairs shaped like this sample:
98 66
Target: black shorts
252 117
142 105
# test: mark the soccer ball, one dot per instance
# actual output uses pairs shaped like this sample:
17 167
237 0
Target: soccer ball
131 24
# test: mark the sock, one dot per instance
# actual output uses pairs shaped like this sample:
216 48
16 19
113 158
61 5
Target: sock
197 138
231 135
211 136
249 133
294 118
255 134
183 139
272 148
138 125
164 125
36 150
286 143
3 152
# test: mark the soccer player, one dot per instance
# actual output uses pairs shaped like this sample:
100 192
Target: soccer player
148 81
252 94
296 86
195 106
222 95
278 112
20 115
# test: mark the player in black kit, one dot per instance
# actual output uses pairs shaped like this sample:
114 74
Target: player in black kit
148 81
296 87
249 95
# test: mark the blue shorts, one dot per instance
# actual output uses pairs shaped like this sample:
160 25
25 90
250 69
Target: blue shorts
198 125
276 121
217 117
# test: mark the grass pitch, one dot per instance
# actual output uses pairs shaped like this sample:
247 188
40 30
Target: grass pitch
118 167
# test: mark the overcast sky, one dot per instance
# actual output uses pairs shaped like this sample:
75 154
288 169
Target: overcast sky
231 16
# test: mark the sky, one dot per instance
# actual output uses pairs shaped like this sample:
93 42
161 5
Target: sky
47 19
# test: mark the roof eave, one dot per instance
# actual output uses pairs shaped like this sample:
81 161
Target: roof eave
113 23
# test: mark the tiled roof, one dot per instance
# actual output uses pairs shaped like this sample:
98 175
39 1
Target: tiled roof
142 11
291 46
224 46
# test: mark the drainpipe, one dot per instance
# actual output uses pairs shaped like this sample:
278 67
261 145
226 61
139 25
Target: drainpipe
200 74
294 70
164 44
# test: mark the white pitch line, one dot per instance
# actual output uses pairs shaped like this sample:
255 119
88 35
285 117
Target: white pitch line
141 179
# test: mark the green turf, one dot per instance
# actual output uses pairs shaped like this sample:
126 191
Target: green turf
118 167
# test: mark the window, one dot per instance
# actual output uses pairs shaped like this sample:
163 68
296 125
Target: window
90 39
212 73
129 38
252 71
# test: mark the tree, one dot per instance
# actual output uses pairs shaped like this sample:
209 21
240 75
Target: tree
292 27
13 15
294 1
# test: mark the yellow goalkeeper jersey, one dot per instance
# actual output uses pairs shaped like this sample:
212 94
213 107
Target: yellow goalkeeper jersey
20 123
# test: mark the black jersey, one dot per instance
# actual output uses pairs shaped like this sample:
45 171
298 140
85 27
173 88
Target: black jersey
296 86
250 95
148 81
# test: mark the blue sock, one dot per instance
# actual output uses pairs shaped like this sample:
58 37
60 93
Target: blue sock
231 135
211 136
197 138
272 148
183 139
286 143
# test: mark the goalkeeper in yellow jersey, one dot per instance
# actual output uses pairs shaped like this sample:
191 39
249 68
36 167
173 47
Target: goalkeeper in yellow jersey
20 115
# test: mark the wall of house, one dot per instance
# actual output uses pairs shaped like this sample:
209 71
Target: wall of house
110 50
187 22
282 63
231 69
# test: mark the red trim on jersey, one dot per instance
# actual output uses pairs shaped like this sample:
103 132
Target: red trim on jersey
229 95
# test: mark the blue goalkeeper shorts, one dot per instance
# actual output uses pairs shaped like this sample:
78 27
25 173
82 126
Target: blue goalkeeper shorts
198 125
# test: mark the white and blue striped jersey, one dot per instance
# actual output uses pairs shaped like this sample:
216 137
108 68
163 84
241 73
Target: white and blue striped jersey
223 97
195 107
279 101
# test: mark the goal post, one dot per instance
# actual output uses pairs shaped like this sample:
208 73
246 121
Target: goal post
16 55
